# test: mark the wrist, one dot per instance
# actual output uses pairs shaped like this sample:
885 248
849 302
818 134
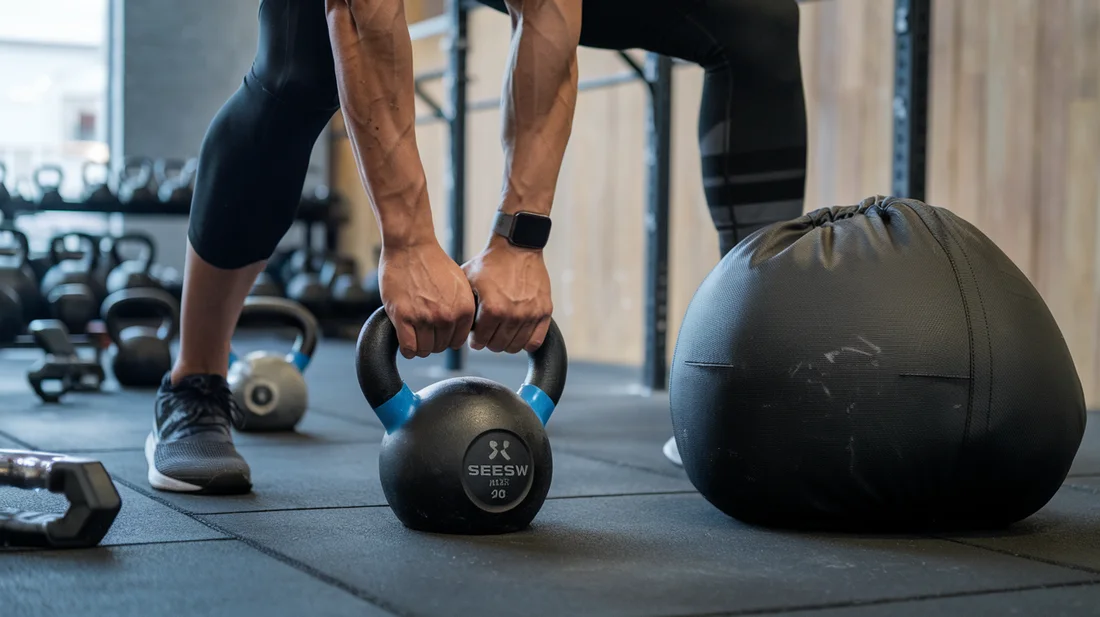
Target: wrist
407 232
498 243
535 204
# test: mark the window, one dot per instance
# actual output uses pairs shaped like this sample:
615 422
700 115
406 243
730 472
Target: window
53 102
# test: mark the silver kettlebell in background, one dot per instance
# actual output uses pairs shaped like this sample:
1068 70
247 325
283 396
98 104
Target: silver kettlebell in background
269 387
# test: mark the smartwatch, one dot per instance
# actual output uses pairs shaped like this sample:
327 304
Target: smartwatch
523 229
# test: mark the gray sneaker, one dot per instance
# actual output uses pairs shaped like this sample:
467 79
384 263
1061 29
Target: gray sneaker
191 447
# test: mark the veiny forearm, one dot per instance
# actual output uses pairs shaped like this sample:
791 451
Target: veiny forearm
374 70
540 96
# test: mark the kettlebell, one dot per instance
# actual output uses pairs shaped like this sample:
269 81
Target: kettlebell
134 272
70 285
175 178
135 181
307 288
49 191
268 386
17 275
96 191
142 353
465 455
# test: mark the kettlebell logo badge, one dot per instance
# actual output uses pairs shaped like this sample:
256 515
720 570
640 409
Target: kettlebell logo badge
503 451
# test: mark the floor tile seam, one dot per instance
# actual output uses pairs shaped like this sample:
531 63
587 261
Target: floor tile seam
271 553
25 550
1031 558
823 606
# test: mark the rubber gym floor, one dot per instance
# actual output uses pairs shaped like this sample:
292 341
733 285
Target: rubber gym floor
623 532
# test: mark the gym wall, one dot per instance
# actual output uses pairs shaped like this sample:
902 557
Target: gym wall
1015 148
173 66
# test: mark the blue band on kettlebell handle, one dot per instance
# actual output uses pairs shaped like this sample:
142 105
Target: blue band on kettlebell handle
538 401
395 412
299 360
232 357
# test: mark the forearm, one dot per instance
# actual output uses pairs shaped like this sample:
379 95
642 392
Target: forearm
374 71
539 98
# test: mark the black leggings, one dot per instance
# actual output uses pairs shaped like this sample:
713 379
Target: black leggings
752 121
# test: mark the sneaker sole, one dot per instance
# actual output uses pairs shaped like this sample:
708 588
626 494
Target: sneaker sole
224 484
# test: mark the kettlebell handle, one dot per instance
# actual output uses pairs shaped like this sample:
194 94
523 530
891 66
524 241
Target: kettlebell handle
90 256
136 171
136 238
393 401
44 185
293 313
164 305
24 245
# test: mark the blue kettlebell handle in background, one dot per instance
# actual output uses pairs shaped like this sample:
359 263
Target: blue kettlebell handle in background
293 314
392 400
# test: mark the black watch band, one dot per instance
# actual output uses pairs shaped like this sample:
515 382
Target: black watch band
523 229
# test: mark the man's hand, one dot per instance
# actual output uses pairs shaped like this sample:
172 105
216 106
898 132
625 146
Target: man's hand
427 297
513 290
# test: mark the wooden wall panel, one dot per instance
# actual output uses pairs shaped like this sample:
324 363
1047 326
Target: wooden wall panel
1014 148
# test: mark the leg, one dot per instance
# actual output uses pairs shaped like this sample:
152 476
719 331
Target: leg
252 166
752 121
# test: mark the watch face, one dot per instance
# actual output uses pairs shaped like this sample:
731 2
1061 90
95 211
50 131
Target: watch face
530 229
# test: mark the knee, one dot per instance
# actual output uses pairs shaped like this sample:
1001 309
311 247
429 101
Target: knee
309 83
756 37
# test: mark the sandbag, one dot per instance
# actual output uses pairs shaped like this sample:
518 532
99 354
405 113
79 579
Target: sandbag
883 365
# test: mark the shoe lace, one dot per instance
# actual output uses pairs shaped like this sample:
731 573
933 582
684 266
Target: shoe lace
205 404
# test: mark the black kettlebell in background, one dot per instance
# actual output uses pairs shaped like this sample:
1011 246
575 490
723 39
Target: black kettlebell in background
268 386
175 179
142 353
135 181
465 455
307 288
70 285
17 276
131 272
96 190
48 180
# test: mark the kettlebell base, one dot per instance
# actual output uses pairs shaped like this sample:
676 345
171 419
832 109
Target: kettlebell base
465 528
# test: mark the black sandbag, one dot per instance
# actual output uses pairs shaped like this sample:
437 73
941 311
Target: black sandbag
878 365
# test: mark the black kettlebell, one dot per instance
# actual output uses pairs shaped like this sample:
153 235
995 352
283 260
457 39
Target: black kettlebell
465 455
133 272
96 190
136 182
49 189
142 353
175 179
307 288
70 285
16 275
